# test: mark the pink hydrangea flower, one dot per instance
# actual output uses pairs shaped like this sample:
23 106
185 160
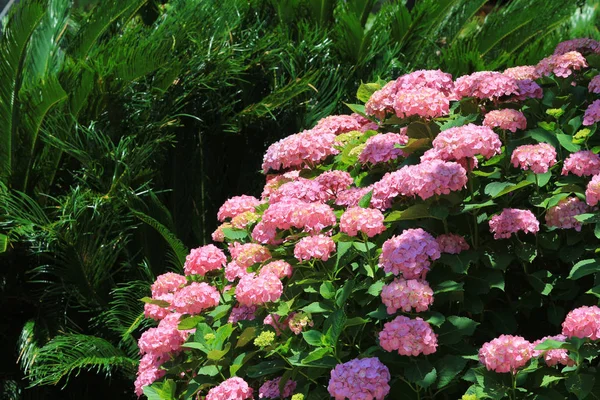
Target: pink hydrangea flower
485 85
233 271
243 220
452 244
522 72
195 298
583 45
274 181
561 65
242 313
563 214
467 141
274 321
422 102
506 119
365 379
382 101
583 322
156 312
582 163
270 389
165 338
506 353
258 290
365 220
594 85
218 235
232 389
512 220
527 89
248 254
406 295
297 322
149 371
237 205
351 197
338 124
435 177
318 246
536 157
592 192
167 283
280 268
304 148
333 182
302 189
293 213
592 113
204 259
410 337
265 233
382 148
409 254
554 356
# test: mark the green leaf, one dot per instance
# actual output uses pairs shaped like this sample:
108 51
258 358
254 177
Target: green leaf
448 368
246 336
448 286
160 303
459 263
455 328
265 368
548 379
541 135
595 291
365 201
208 370
584 268
551 344
313 338
334 325
422 373
327 290
566 141
365 90
498 189
357 108
161 390
190 322
414 212
580 384
316 307
3 243
316 355
343 293
375 288
342 249
234 234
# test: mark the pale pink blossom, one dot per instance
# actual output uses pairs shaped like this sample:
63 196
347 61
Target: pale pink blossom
204 259
314 247
506 119
382 148
563 214
594 85
258 290
237 205
561 65
274 181
467 141
306 148
307 190
582 163
506 353
522 72
167 283
410 337
407 295
452 244
554 357
248 254
338 124
485 85
233 271
422 102
592 192
232 389
536 157
582 322
245 219
157 312
280 268
165 338
365 379
333 182
149 371
365 220
351 197
512 220
195 298
409 254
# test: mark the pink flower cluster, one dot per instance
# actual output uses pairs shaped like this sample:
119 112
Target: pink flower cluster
592 192
512 220
218 235
506 353
248 254
367 221
592 113
506 119
554 356
237 205
406 295
563 214
338 124
149 371
257 290
527 89
582 163
195 298
582 322
485 85
522 72
382 148
274 321
311 247
232 389
279 268
409 254
365 379
594 85
165 338
351 197
270 389
536 157
383 101
452 244
298 321
333 182
274 181
561 65
422 102
307 190
163 289
583 45
204 259
467 141
242 313
243 220
293 213
304 148
410 337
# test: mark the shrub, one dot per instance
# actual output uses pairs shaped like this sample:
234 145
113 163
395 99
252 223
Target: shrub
443 263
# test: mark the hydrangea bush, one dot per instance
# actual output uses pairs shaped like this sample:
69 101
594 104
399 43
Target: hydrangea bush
439 242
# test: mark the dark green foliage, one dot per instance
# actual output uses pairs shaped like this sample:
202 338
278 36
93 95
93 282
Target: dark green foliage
125 124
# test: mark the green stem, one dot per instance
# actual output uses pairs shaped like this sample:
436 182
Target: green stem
475 227
514 385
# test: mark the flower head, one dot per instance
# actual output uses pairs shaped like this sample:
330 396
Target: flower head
561 65
485 85
237 205
359 379
452 244
233 388
467 141
270 389
167 283
582 45
410 337
409 254
512 220
563 214
536 157
265 339
310 247
506 119
406 295
554 356
592 113
279 268
304 148
195 298
365 220
582 163
583 322
382 148
422 102
204 259
592 192
506 353
258 290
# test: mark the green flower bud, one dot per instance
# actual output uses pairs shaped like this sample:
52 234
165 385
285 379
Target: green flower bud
209 336
264 339
555 112
298 396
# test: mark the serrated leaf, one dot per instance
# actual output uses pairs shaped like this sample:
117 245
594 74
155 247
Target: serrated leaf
313 338
365 201
316 355
422 373
190 322
160 303
246 336
448 368
365 90
584 268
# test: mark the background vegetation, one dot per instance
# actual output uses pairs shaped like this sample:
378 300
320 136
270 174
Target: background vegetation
123 124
